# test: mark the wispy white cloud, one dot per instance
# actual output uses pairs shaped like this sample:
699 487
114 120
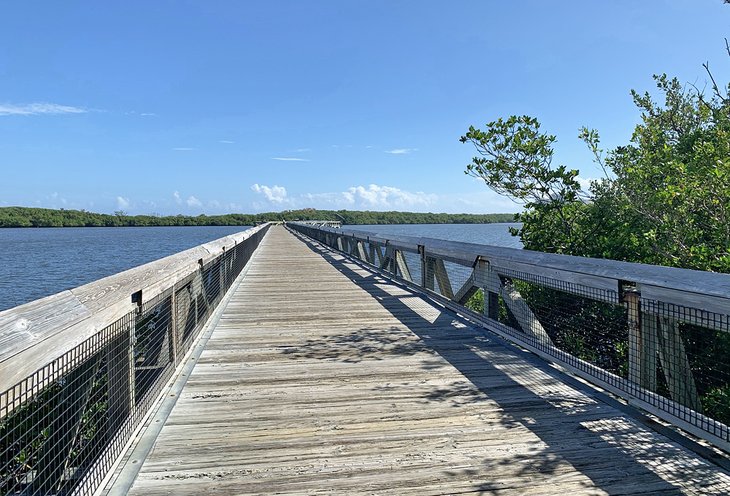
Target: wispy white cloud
401 151
39 109
382 197
122 202
148 114
193 202
183 149
375 196
55 198
274 194
176 196
372 196
585 182
227 142
303 150
290 159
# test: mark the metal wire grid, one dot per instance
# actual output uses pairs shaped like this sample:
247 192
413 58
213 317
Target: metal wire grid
672 357
684 353
62 428
589 324
47 443
669 356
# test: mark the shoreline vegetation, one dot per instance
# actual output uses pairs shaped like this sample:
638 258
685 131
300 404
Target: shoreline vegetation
46 217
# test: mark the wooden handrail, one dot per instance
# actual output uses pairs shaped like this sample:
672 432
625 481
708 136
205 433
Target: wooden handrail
709 291
36 333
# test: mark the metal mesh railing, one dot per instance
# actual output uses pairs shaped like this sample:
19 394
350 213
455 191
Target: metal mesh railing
670 359
62 428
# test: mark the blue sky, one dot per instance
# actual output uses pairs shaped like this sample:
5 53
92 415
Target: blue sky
230 106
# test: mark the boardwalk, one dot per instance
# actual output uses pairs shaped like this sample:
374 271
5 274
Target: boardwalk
323 378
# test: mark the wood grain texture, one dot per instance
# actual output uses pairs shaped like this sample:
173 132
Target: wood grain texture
36 333
322 378
582 270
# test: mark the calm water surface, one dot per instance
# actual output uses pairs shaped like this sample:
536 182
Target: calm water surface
484 234
39 262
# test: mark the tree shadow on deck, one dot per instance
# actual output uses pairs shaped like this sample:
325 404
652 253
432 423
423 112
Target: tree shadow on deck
576 429
361 345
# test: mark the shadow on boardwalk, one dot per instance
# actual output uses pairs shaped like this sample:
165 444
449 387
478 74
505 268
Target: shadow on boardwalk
576 428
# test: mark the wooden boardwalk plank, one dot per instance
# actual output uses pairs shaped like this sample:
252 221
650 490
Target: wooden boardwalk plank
323 378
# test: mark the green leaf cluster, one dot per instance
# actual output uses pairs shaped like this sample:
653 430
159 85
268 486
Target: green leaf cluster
664 198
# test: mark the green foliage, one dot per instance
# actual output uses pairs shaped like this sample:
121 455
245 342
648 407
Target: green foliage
43 217
515 159
476 302
664 199
716 403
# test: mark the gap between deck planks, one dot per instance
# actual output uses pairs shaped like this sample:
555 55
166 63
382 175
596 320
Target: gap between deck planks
323 378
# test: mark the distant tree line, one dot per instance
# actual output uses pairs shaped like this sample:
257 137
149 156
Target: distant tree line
44 217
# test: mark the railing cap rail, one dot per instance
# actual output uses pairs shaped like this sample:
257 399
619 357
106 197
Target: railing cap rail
37 332
644 275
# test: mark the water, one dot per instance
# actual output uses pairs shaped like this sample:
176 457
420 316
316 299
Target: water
39 262
484 234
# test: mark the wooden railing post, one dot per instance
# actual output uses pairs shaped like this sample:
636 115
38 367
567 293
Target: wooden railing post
636 351
675 364
422 256
429 277
486 280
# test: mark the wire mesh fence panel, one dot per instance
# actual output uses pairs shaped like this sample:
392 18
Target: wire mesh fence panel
153 347
186 310
687 351
63 427
589 325
52 442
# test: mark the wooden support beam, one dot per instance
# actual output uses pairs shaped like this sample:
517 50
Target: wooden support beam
523 314
467 290
649 341
388 262
675 365
378 259
384 260
174 337
361 253
486 278
429 281
632 302
642 343
402 265
442 278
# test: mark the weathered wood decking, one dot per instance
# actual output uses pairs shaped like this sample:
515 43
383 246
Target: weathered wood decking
323 378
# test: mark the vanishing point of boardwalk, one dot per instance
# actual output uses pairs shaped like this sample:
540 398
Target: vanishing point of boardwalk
322 377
